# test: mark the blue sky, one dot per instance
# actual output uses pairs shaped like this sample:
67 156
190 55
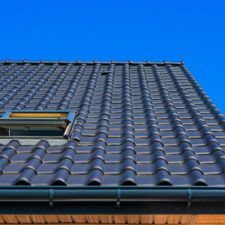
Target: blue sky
188 30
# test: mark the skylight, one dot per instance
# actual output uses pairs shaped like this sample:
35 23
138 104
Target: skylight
36 124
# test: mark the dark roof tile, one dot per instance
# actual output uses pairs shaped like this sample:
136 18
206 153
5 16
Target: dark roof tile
143 124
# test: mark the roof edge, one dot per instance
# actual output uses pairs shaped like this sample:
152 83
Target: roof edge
90 62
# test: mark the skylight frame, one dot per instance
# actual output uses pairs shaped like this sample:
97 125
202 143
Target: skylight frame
37 119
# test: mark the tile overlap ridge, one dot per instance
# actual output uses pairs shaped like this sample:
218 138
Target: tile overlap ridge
13 92
183 140
96 169
64 104
34 89
128 140
205 130
211 106
34 161
53 89
67 160
7 69
8 152
161 163
85 104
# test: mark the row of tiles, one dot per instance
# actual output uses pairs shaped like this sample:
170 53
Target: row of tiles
76 80
126 178
116 168
38 158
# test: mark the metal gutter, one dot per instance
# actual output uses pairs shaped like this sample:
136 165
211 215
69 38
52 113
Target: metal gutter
111 200
111 194
97 194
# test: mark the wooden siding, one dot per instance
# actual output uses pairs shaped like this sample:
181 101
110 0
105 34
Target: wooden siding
113 219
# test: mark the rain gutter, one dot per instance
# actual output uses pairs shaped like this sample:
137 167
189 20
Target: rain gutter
143 199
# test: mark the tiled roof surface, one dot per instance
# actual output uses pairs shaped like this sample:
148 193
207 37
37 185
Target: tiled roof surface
138 124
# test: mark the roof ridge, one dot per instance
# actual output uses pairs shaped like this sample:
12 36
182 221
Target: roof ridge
90 62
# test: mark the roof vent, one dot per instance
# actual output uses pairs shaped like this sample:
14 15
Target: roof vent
104 73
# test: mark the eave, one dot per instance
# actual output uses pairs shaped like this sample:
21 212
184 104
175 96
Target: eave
112 200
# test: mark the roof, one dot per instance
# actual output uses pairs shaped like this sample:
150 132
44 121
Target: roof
138 123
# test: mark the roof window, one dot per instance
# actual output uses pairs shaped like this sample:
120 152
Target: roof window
36 124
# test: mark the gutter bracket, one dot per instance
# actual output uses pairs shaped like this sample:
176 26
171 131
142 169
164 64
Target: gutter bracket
189 198
51 197
118 193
